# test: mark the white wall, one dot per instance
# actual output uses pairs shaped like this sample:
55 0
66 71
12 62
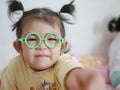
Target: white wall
88 36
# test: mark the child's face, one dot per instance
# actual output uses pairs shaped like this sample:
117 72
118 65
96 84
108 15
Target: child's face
40 58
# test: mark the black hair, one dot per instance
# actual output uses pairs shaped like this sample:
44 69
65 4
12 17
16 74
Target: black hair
43 14
114 25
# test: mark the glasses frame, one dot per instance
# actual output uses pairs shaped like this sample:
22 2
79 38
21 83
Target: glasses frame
24 40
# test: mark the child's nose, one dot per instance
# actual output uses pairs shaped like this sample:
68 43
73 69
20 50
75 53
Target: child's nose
42 46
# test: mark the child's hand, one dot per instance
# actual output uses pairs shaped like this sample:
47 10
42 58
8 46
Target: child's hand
79 79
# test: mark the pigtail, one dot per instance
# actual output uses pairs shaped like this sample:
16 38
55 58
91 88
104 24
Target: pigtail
14 6
114 25
15 9
68 9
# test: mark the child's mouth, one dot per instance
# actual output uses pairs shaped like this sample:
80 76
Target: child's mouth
41 56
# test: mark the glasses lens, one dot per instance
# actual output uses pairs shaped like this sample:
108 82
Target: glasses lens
52 40
33 40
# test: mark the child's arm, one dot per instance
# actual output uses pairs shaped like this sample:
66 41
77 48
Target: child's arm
79 79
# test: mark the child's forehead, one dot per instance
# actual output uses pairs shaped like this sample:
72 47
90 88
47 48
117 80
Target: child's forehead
30 21
40 27
40 24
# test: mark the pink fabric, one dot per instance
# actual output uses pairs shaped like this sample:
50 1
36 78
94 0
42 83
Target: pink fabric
99 63
109 87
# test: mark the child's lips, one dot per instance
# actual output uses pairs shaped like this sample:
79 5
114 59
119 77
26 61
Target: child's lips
41 56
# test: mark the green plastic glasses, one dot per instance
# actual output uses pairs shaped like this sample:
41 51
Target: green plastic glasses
33 40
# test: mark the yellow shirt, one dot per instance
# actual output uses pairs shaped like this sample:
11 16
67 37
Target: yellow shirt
18 76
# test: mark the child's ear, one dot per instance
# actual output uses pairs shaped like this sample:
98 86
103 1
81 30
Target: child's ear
17 47
64 46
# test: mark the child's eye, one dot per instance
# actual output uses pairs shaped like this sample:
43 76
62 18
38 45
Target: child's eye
52 39
32 39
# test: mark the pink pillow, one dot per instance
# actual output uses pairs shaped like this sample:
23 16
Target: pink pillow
95 62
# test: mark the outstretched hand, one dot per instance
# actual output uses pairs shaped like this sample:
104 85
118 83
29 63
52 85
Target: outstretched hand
83 79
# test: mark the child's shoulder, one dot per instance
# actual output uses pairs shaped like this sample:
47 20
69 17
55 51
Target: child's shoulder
16 62
13 66
66 59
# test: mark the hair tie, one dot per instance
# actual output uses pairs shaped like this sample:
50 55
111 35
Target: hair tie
59 12
24 11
